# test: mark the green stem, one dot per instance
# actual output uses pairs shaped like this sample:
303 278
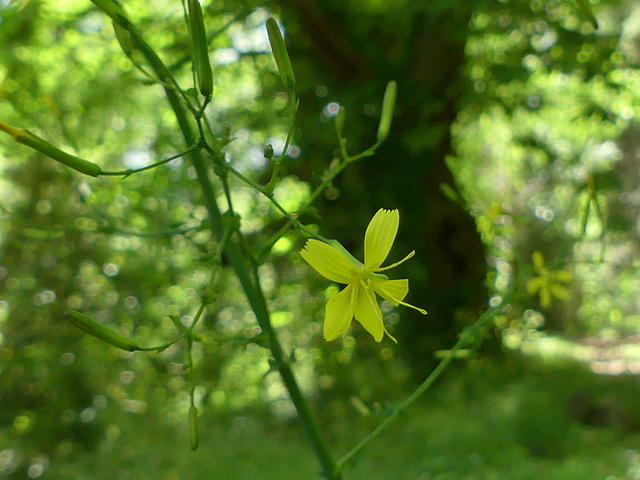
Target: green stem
275 174
164 346
237 259
131 171
424 386
346 161
263 190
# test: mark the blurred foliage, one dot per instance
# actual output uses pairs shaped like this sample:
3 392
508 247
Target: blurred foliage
547 156
547 124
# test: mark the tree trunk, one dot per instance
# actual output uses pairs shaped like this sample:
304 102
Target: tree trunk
362 51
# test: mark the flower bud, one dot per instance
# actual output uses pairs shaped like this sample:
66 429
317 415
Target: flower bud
388 104
89 325
268 152
280 54
27 138
209 296
200 49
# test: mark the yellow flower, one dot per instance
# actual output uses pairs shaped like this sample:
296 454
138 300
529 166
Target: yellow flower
548 282
363 281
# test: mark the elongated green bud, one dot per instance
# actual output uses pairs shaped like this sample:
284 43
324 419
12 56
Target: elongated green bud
124 39
89 325
193 427
200 49
388 104
27 138
280 54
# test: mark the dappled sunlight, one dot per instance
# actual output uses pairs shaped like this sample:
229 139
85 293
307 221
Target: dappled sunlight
160 174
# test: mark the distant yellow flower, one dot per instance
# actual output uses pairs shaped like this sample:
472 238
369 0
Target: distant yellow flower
358 299
548 282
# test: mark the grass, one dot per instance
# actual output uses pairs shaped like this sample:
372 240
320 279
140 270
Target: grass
514 421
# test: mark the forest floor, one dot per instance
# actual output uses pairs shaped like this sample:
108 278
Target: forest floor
521 419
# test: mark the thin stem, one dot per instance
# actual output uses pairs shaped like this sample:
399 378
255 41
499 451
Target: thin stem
131 171
275 173
274 238
330 176
238 261
218 255
164 346
292 122
428 382
185 58
161 233
291 217
224 179
192 375
196 319
189 335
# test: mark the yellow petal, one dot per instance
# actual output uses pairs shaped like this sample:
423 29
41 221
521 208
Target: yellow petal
538 259
339 313
368 312
559 291
328 261
545 297
535 284
379 237
393 291
564 276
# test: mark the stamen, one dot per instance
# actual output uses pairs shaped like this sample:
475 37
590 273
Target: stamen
413 252
421 310
400 302
389 335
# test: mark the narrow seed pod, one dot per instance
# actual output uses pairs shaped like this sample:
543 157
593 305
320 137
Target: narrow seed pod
388 104
89 325
280 54
200 49
193 427
27 138
124 39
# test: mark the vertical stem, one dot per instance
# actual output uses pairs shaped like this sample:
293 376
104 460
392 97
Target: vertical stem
239 263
